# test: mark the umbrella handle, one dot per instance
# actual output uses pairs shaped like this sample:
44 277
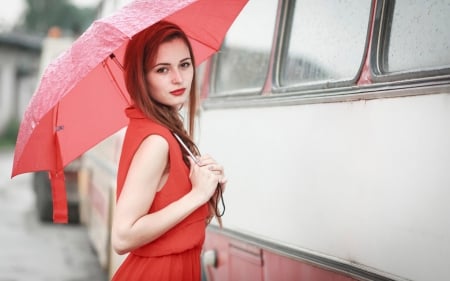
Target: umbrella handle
58 185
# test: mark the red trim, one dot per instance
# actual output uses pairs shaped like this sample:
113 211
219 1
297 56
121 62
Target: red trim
239 260
366 76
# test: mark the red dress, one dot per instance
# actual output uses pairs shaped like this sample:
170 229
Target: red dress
176 254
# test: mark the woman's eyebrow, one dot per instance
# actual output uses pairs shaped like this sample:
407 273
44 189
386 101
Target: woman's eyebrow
168 64
185 59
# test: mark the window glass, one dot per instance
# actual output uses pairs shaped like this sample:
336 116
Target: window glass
242 63
419 36
326 41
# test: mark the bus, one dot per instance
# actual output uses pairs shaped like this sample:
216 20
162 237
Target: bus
332 120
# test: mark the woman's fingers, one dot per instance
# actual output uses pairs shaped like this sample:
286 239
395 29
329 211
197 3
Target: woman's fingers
223 180
211 164
215 168
205 160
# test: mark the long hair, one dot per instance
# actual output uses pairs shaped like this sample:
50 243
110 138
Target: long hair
140 55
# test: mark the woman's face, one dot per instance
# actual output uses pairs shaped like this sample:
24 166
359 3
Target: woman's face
170 78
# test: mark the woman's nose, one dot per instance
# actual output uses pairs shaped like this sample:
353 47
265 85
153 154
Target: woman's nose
176 77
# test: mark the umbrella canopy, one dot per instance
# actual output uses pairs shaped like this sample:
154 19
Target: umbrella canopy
82 95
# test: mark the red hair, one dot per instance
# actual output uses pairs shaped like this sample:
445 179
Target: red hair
140 55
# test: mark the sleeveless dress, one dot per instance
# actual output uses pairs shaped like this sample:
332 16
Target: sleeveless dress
176 254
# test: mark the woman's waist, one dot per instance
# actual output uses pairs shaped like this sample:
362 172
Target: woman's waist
188 234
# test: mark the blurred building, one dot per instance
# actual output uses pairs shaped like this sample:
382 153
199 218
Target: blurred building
19 66
107 7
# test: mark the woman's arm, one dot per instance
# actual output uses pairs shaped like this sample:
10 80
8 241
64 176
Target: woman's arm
132 225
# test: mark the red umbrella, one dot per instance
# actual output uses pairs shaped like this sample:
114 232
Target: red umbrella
81 97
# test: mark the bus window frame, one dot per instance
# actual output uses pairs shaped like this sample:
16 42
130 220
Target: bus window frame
380 44
280 51
388 85
227 94
272 94
245 93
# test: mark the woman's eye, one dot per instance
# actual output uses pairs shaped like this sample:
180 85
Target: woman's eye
185 64
162 70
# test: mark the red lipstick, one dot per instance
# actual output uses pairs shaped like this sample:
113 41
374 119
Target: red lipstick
178 92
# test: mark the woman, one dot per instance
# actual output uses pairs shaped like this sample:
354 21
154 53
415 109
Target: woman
162 205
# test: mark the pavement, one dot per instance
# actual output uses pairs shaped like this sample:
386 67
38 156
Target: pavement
31 250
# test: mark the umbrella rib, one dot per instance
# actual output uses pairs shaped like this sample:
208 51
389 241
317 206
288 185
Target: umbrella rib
114 59
113 78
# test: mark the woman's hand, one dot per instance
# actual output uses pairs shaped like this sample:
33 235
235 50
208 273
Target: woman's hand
214 167
204 180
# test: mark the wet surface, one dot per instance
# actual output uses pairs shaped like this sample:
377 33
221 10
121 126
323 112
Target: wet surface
32 250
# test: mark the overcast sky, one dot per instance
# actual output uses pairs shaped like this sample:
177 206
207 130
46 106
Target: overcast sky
11 12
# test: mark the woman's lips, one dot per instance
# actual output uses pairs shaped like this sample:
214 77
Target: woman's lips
178 92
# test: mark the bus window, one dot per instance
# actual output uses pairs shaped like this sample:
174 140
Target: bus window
324 42
417 36
243 61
